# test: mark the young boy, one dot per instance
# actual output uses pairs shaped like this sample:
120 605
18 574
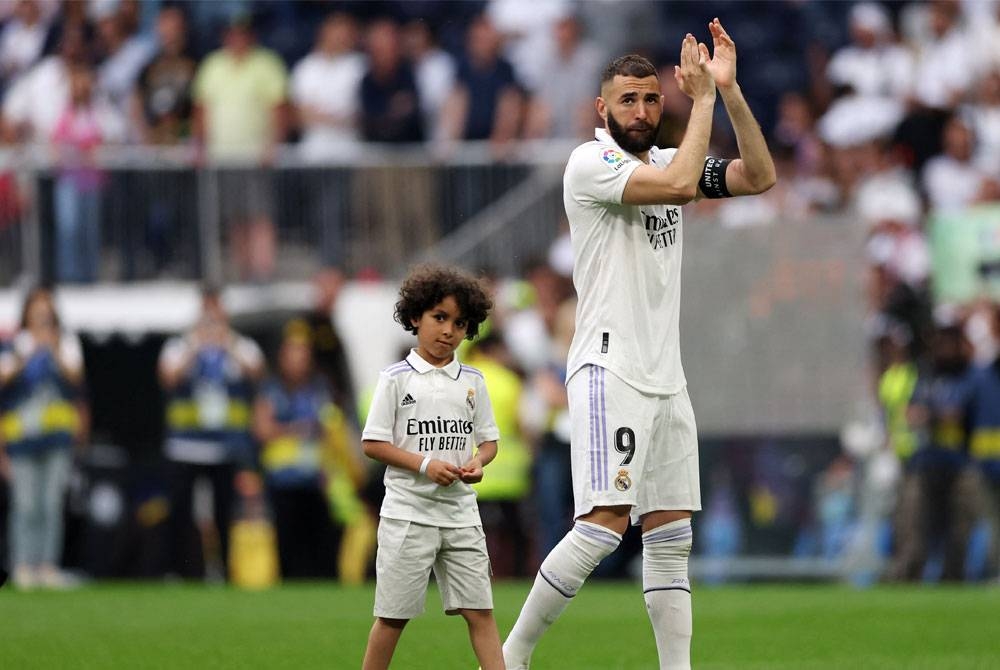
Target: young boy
428 414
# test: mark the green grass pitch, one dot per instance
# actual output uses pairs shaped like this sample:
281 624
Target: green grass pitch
325 626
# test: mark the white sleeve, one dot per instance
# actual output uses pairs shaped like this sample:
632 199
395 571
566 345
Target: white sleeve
382 413
248 353
17 102
483 422
299 89
71 352
598 173
173 353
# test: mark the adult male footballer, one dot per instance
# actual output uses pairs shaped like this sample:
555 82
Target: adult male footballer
634 443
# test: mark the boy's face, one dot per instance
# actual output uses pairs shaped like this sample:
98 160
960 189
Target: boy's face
439 331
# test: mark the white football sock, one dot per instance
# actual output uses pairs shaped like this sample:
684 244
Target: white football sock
560 577
667 591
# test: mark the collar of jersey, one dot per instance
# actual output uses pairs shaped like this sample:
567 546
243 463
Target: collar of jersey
602 135
416 361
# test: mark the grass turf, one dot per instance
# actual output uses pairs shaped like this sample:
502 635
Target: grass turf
325 626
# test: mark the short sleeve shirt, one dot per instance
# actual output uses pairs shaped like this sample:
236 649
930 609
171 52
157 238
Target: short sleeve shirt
627 270
442 413
239 97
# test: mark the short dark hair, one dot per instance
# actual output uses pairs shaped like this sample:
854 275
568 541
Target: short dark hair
427 285
630 65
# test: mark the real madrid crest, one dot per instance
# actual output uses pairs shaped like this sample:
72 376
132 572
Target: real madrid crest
623 482
470 399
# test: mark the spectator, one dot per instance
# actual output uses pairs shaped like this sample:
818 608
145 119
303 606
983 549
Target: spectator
324 88
161 102
984 120
564 106
389 92
289 421
944 67
391 103
526 31
124 55
239 94
872 65
952 180
208 375
502 495
42 417
546 415
983 420
22 41
85 124
435 71
486 103
33 105
942 506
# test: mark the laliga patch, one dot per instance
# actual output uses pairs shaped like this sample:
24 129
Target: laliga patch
623 482
614 159
470 399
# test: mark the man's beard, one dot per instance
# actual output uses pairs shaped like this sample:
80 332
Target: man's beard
632 141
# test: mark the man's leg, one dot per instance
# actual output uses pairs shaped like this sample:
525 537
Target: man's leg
594 536
666 544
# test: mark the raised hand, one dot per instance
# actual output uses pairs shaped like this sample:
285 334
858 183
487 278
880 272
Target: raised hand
722 64
692 75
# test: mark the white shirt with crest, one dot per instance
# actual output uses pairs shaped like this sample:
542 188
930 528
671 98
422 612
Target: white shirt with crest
443 413
627 270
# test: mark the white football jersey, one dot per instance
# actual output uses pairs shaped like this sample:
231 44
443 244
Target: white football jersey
443 413
627 270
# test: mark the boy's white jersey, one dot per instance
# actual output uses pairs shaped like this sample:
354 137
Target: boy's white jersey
443 413
627 270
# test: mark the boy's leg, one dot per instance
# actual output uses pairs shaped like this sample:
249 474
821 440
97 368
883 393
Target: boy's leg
382 641
484 637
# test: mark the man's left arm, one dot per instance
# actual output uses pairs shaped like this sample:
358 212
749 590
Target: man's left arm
753 172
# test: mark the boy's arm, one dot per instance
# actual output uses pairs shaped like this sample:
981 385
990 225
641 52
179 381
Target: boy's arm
441 473
472 471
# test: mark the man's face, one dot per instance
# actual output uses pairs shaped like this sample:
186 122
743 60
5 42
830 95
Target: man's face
632 108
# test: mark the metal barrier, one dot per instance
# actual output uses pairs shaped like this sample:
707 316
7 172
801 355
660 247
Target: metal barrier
161 216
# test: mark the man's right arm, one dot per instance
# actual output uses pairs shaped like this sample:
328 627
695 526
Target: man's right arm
678 183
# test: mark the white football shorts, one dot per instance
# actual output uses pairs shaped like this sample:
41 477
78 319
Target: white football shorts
631 448
407 552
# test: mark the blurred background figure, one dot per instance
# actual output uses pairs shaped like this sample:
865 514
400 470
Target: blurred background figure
983 421
563 105
944 494
487 103
502 495
240 120
209 376
22 41
293 415
42 417
325 89
435 71
86 124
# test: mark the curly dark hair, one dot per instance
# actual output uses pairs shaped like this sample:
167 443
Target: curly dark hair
427 285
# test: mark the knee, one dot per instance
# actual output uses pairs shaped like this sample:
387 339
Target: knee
666 548
395 624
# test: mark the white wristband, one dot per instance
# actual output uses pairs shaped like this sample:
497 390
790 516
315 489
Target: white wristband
424 464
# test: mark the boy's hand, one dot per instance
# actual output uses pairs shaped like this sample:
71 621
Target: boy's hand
472 471
443 474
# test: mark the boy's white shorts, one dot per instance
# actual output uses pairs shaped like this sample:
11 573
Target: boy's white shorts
631 448
408 551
